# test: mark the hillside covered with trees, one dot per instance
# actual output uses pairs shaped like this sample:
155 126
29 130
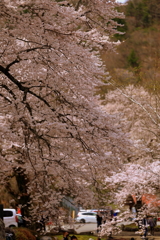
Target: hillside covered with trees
138 58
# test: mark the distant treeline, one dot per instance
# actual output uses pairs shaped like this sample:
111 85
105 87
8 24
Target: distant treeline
145 12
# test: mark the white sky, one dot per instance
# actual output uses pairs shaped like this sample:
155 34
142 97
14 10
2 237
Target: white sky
122 1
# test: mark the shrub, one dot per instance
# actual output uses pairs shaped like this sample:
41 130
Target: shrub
20 236
157 228
23 234
131 227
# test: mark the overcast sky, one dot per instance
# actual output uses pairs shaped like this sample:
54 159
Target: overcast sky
122 1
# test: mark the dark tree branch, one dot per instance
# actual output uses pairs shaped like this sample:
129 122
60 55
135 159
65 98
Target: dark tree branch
9 90
12 63
22 88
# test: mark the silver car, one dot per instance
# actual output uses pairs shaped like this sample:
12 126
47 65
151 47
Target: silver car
86 217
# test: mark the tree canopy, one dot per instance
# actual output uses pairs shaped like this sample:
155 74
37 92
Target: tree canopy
51 122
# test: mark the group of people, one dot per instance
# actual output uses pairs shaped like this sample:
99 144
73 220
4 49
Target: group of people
146 223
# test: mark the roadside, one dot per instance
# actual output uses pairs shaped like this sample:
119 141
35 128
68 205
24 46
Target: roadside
91 230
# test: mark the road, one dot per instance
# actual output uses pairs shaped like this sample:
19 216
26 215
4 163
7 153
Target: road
85 227
77 227
90 227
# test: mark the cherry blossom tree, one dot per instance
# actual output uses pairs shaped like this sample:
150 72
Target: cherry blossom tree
51 122
135 179
138 114
140 182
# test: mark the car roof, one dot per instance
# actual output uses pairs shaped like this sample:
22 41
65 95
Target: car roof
9 209
86 212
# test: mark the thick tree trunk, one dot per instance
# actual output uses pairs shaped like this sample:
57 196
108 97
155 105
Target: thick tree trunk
2 230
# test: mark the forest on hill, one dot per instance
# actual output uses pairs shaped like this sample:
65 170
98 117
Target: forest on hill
133 92
137 59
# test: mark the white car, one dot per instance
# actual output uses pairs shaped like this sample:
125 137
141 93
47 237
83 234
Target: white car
10 217
86 217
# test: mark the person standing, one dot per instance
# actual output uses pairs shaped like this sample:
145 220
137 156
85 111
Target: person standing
152 224
99 220
145 227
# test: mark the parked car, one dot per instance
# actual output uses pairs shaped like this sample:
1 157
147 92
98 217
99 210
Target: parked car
86 217
10 217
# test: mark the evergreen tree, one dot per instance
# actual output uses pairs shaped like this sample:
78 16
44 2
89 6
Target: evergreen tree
133 59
